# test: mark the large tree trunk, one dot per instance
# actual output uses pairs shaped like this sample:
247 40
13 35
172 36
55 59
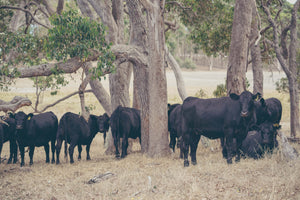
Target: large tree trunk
147 32
238 51
294 92
257 69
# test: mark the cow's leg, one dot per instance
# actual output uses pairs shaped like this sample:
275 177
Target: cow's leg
71 151
53 151
185 143
66 151
22 152
124 147
31 152
116 143
46 147
88 152
229 144
79 151
172 141
104 137
11 152
1 145
15 152
194 145
58 147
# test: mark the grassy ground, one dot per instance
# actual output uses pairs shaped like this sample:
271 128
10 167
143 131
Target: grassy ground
140 177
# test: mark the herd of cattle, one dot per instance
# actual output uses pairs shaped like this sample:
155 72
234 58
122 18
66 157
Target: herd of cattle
246 124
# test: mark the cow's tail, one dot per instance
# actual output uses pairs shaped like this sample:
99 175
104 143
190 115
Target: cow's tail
66 146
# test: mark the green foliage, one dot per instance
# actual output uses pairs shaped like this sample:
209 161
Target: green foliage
282 86
71 36
220 91
90 108
210 23
201 94
77 36
187 63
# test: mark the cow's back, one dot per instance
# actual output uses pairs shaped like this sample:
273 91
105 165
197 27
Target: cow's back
42 128
74 127
275 110
126 120
209 116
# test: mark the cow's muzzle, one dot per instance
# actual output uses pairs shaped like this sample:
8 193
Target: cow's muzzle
19 127
244 114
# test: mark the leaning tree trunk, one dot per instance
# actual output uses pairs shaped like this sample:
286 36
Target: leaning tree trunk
147 33
257 69
290 69
238 51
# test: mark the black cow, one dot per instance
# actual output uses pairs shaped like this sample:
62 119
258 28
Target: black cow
125 123
174 124
225 117
268 110
103 121
259 141
35 131
8 133
76 131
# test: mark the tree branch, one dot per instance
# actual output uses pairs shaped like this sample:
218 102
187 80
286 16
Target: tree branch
26 11
62 99
129 53
13 105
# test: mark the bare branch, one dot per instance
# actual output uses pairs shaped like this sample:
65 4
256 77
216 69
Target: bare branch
13 105
62 99
129 53
171 25
26 11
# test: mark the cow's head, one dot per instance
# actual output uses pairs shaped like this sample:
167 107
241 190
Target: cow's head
268 133
262 110
103 123
21 118
246 100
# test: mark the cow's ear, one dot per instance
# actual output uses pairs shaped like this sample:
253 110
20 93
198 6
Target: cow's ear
169 106
11 115
256 97
29 116
234 96
263 102
105 115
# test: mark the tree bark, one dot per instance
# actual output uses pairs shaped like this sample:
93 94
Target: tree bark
238 51
13 105
147 32
257 69
178 75
291 69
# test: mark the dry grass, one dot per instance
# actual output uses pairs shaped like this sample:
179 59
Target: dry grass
140 177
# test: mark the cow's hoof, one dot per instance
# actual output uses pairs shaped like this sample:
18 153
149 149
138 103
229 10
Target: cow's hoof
194 162
47 161
57 162
15 161
31 163
118 156
71 161
229 161
53 161
22 165
186 163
